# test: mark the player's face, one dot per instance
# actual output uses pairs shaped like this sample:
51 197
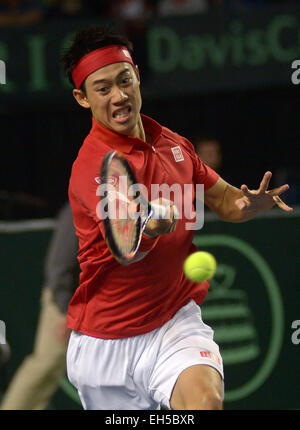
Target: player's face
113 95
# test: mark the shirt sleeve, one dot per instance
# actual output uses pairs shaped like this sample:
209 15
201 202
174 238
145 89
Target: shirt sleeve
203 174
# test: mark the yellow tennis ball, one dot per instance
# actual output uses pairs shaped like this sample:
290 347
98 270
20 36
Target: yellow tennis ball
200 266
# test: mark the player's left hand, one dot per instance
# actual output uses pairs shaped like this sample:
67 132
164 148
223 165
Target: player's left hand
254 201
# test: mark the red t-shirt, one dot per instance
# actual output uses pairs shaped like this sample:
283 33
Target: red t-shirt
116 301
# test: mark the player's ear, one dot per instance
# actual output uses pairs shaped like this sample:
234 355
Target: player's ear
81 98
137 72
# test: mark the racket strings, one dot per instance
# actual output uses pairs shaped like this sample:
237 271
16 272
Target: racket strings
122 209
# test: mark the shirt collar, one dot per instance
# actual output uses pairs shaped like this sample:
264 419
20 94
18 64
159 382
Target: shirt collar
125 143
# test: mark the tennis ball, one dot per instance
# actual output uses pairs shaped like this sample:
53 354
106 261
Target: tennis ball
200 266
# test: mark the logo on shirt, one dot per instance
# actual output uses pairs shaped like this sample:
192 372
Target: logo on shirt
177 153
112 180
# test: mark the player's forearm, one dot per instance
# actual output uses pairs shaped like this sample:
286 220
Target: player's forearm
221 198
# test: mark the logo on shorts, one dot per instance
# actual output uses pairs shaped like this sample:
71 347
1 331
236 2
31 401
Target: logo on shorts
177 153
211 356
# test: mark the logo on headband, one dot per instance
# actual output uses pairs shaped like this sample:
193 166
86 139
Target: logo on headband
125 52
98 58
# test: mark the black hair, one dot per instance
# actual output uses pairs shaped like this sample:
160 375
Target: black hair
87 40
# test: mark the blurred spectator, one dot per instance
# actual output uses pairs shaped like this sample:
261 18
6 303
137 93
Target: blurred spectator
4 354
19 205
20 12
181 7
240 5
68 9
208 148
132 10
290 176
131 18
37 378
131 15
4 358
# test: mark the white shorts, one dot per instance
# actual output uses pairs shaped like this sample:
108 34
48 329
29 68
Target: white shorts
139 373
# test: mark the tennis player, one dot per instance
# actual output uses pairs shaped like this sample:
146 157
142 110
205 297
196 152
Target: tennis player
138 340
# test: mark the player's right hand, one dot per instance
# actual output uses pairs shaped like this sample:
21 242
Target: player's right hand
166 225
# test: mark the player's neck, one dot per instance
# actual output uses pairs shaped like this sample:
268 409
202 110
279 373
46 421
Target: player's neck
140 131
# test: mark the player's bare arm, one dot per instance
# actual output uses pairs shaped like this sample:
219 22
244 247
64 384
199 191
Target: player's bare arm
238 205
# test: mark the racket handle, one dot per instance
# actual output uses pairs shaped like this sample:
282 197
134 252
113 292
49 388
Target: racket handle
158 211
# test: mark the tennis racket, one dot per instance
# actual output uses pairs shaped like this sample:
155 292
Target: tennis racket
125 210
